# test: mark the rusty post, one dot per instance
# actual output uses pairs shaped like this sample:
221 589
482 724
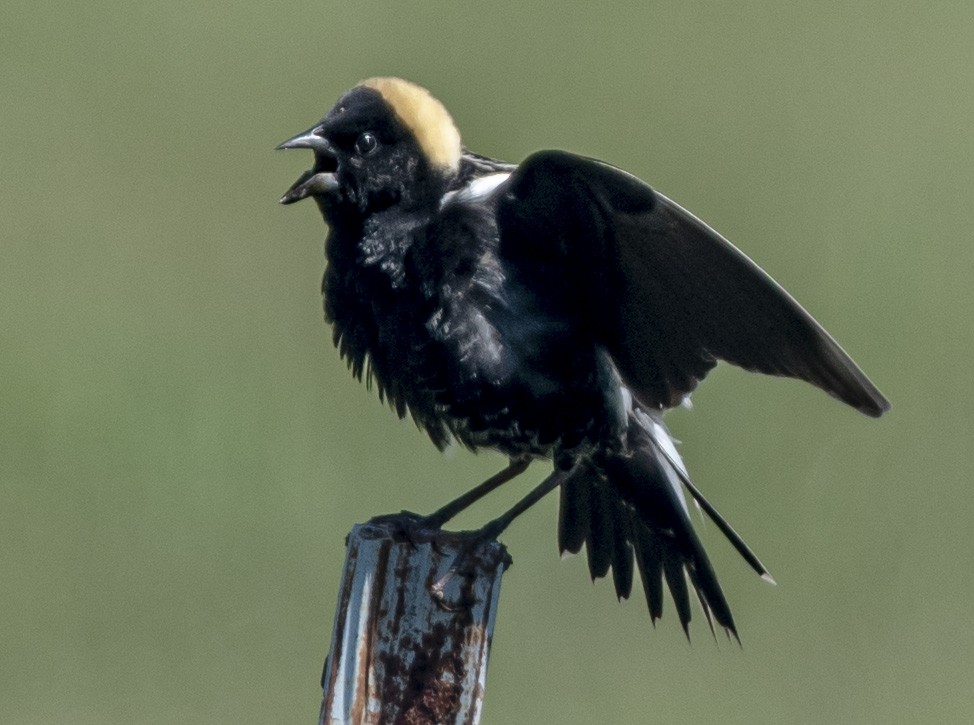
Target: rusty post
411 637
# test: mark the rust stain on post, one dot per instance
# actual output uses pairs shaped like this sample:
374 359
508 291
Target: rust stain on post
411 640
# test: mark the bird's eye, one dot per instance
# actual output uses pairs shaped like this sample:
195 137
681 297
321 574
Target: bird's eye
366 143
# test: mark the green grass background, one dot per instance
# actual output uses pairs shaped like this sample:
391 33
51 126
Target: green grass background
182 452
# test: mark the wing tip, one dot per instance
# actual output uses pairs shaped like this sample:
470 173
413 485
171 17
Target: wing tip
876 406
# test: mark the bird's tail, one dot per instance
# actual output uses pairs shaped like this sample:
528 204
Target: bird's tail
631 507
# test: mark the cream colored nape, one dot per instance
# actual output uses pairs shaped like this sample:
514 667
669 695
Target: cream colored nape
425 117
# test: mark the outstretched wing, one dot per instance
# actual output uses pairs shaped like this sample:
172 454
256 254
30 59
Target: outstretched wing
664 293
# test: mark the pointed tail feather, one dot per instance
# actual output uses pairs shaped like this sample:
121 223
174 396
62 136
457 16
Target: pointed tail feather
630 508
592 515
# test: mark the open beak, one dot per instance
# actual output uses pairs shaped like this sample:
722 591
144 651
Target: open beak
320 179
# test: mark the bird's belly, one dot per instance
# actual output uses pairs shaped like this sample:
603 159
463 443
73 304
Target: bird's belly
530 388
507 377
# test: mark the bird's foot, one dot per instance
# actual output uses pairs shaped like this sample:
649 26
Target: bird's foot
417 529
407 526
468 553
473 549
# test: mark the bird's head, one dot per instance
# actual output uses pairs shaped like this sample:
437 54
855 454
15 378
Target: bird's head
386 142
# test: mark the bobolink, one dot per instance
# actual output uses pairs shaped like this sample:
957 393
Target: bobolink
552 309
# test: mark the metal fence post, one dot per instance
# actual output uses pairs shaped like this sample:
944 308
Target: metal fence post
411 638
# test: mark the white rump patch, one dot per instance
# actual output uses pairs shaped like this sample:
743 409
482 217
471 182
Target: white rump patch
673 465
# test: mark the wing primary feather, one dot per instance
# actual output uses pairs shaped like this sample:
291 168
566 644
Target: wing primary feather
818 358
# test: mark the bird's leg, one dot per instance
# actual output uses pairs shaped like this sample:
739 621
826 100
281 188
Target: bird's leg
410 524
492 529
435 520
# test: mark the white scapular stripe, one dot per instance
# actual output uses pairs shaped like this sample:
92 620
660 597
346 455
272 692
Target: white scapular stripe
476 190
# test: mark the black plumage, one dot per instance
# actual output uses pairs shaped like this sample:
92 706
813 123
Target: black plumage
552 309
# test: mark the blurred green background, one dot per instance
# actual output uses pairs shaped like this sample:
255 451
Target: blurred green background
182 452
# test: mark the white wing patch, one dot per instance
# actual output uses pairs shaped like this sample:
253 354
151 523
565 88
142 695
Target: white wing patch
477 190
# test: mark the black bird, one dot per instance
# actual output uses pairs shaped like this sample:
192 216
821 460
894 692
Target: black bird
552 309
